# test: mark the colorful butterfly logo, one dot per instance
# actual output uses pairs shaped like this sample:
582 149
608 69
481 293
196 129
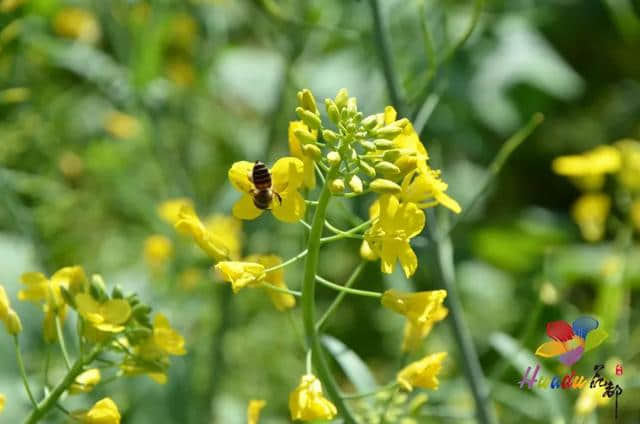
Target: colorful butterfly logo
571 341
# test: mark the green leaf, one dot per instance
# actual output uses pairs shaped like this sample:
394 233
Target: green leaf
594 339
352 365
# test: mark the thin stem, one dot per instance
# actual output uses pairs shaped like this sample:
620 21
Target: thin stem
347 234
319 171
288 261
311 202
348 290
336 302
63 346
23 373
280 289
308 302
383 417
371 393
308 362
306 224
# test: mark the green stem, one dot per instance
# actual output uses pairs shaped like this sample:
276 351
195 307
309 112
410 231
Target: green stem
23 373
348 290
336 302
308 302
389 386
288 261
63 346
347 234
51 400
280 289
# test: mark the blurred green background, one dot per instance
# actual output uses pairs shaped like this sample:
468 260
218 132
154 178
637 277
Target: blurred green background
109 108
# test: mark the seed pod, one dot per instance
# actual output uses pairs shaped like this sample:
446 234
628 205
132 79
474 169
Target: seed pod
329 136
383 144
334 157
369 145
337 186
304 136
307 101
332 111
12 322
367 169
385 167
356 184
389 132
312 150
384 186
391 155
341 98
369 122
67 297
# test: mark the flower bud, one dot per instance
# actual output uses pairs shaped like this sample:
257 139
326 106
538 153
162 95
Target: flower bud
12 322
358 117
352 106
391 155
307 101
385 167
341 98
329 136
370 121
367 169
116 293
312 150
97 288
332 111
140 310
401 123
356 184
304 136
383 144
383 186
368 145
333 157
337 186
389 132
312 120
66 296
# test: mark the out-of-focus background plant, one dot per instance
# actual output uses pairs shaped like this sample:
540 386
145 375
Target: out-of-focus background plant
110 109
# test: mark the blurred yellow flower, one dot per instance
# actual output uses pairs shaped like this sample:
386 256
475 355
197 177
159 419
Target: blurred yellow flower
296 147
7 6
424 187
5 304
122 126
422 373
420 308
214 245
635 214
589 399
166 338
228 231
588 169
189 278
76 23
307 403
2 401
169 210
287 176
240 274
389 235
109 316
14 95
253 410
104 411
85 382
12 323
282 301
157 250
414 332
71 165
183 30
590 212
629 174
181 72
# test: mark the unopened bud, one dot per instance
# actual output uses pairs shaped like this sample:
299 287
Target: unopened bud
332 111
383 186
307 101
140 310
389 132
311 150
329 136
342 97
367 169
97 288
368 145
66 296
337 186
358 117
116 293
369 122
385 167
383 144
356 184
304 136
311 119
391 155
352 106
12 322
333 157
401 123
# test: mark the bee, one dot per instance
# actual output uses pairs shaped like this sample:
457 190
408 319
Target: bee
262 194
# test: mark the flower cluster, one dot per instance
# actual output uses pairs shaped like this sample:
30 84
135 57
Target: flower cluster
588 172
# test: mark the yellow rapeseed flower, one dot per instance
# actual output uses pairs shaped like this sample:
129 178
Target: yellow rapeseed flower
86 381
157 250
389 235
5 304
307 403
629 174
282 301
109 316
414 333
635 214
166 338
104 411
420 308
287 176
422 373
240 274
590 212
228 232
296 148
2 401
589 399
589 168
79 24
253 410
122 126
214 245
169 210
423 187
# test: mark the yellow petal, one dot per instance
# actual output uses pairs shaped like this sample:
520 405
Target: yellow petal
448 202
103 412
287 174
2 401
408 259
245 208
422 373
169 210
307 402
388 255
189 224
239 176
292 207
240 274
5 305
253 410
551 349
390 115
116 311
86 305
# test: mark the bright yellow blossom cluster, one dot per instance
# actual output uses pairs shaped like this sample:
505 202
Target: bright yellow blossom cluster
589 170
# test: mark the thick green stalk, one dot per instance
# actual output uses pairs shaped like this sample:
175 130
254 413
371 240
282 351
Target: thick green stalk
308 302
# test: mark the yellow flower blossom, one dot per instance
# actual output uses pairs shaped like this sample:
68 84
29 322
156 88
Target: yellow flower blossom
423 187
122 126
635 214
189 223
240 274
422 373
253 410
296 148
282 301
104 411
189 278
228 232
157 250
169 210
12 323
414 333
389 235
2 401
287 176
420 308
590 212
109 316
589 399
86 381
79 24
629 174
307 403
5 304
167 338
589 168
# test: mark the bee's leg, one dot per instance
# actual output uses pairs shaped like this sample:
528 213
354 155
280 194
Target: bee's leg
279 198
250 176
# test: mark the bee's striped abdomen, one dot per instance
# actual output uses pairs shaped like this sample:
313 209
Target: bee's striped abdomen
261 176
